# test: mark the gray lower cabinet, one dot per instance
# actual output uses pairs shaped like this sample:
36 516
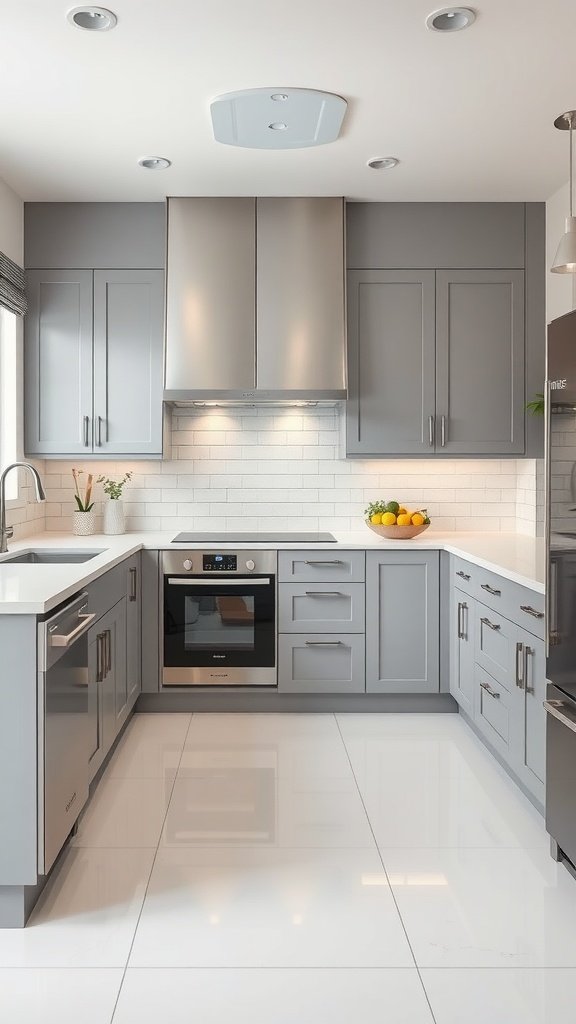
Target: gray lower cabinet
107 682
462 619
321 663
93 363
133 628
529 735
435 362
402 622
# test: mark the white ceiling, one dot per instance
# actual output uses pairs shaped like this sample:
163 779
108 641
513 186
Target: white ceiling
469 115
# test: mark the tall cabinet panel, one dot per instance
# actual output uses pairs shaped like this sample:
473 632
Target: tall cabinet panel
58 362
391 371
128 354
300 291
480 361
402 622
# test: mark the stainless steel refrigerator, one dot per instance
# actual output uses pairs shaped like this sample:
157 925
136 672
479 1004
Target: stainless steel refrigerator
560 413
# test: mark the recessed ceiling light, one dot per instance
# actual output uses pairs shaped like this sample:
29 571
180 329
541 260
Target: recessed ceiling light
279 97
451 19
154 163
93 19
278 126
383 163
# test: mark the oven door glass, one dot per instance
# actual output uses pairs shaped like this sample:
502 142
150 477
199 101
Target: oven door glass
219 622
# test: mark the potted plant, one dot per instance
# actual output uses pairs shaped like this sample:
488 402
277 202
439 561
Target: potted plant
84 517
114 507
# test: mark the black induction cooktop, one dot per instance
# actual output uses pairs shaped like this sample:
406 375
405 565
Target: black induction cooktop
254 538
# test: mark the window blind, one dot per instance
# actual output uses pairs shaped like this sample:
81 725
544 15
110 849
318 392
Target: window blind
12 283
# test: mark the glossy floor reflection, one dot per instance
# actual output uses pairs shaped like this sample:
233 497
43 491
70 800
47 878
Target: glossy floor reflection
300 868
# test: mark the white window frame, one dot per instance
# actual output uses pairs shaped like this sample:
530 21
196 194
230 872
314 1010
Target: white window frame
12 415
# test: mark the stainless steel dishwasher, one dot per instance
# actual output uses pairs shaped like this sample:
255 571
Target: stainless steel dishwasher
63 726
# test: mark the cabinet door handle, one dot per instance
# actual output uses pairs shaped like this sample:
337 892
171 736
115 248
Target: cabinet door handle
133 584
99 657
443 431
86 421
531 611
323 643
491 590
490 691
460 630
109 645
528 652
464 575
520 675
491 625
99 431
431 430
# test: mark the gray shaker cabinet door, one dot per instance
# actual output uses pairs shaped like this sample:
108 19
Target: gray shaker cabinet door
480 362
402 622
462 622
210 298
528 746
133 628
128 361
391 362
58 363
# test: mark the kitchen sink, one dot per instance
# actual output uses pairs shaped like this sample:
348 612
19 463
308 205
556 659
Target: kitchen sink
49 557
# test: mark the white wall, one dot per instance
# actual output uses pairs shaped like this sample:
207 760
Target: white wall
11 224
560 288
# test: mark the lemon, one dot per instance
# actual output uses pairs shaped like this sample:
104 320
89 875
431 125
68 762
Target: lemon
417 519
404 520
388 519
376 519
402 511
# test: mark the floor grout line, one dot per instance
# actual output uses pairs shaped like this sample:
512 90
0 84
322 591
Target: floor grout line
392 893
149 876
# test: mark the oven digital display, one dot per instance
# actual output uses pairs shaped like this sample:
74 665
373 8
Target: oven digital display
219 563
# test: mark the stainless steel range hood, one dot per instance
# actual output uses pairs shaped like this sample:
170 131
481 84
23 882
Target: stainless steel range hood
255 305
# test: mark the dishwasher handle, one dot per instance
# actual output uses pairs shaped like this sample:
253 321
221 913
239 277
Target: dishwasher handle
61 640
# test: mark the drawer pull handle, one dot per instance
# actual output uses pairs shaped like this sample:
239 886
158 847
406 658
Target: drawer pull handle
555 708
491 625
491 590
325 561
323 643
323 593
531 611
490 691
464 575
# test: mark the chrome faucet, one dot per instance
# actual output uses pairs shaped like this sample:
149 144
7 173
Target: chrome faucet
6 532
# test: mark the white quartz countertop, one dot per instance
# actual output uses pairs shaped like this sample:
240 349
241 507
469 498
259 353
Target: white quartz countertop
37 589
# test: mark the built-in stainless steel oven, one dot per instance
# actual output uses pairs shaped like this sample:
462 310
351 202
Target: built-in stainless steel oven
219 618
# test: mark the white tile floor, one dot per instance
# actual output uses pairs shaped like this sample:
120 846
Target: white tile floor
296 869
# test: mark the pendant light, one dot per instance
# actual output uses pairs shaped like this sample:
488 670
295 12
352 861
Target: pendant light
565 259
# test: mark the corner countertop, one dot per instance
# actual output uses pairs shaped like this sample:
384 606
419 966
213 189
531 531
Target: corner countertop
37 589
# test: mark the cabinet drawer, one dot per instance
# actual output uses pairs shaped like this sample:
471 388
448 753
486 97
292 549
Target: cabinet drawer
518 603
107 590
495 644
321 566
463 575
318 663
319 608
493 710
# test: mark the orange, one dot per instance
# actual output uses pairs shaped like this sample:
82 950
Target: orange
417 519
404 520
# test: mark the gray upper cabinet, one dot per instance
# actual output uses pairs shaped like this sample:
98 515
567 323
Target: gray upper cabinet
480 362
300 294
211 295
391 362
89 236
93 363
128 361
58 362
402 622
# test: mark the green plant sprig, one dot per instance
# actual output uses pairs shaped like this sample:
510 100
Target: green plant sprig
114 488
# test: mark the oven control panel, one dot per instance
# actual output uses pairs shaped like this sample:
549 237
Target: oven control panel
219 563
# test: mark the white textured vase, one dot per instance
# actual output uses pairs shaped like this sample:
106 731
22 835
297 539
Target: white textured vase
83 523
114 516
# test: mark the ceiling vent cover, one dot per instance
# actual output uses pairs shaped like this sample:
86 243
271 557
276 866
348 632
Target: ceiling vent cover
277 118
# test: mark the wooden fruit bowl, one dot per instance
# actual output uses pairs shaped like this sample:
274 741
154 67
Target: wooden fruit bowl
398 532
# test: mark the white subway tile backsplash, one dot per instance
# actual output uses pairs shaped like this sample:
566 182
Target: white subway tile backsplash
265 469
